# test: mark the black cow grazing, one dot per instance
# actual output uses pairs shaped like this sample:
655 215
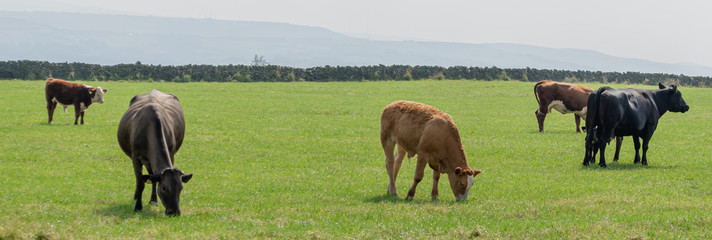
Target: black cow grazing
628 112
150 133
65 93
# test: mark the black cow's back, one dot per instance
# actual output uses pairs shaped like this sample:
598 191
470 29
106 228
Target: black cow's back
146 112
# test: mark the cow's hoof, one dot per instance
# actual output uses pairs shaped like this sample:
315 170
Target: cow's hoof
409 198
154 203
603 166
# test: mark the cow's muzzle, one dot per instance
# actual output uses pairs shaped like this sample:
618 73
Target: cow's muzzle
462 197
172 213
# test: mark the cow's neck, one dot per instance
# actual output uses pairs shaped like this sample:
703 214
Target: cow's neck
159 154
459 161
662 97
160 159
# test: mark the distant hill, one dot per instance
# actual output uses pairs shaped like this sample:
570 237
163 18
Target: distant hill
113 39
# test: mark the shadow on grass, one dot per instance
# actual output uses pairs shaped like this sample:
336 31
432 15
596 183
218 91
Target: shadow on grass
387 198
384 198
125 211
556 132
46 124
624 166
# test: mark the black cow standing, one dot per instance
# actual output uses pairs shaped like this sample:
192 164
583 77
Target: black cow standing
627 112
150 133
591 147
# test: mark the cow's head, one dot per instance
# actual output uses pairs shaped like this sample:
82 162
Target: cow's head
97 94
170 184
676 103
462 181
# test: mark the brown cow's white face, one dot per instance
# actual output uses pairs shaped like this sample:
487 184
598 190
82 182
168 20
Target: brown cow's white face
99 95
462 181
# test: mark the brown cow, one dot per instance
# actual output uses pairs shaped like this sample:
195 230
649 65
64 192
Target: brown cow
68 93
431 134
564 97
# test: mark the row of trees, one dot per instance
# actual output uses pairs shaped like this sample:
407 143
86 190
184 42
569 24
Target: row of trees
34 70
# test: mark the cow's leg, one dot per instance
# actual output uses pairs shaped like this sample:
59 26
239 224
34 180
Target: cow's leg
419 173
51 106
589 149
400 156
578 122
77 112
436 177
607 134
619 142
154 197
646 140
636 145
81 114
140 184
388 146
602 150
540 116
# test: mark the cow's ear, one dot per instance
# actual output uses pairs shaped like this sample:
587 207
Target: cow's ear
150 179
104 90
661 86
674 87
146 179
186 178
477 171
90 91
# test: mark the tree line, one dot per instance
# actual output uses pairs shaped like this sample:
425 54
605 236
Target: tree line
34 70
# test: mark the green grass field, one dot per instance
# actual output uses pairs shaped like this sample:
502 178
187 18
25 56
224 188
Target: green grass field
303 160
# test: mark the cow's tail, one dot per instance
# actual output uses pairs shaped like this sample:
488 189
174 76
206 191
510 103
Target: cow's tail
593 128
593 123
536 93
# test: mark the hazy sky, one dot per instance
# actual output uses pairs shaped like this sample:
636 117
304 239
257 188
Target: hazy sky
662 31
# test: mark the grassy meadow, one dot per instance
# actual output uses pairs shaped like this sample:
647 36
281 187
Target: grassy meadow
303 160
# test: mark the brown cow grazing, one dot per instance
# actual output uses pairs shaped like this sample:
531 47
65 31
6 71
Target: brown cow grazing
564 97
150 133
431 134
69 93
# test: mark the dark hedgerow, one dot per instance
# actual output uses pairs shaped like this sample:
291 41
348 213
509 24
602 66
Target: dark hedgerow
35 70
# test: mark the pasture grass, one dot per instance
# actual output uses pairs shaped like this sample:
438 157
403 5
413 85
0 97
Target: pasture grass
303 160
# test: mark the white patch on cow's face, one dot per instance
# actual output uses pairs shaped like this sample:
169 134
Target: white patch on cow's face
470 182
98 96
559 106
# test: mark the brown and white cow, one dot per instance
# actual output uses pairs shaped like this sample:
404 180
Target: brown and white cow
421 129
564 97
68 93
150 133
